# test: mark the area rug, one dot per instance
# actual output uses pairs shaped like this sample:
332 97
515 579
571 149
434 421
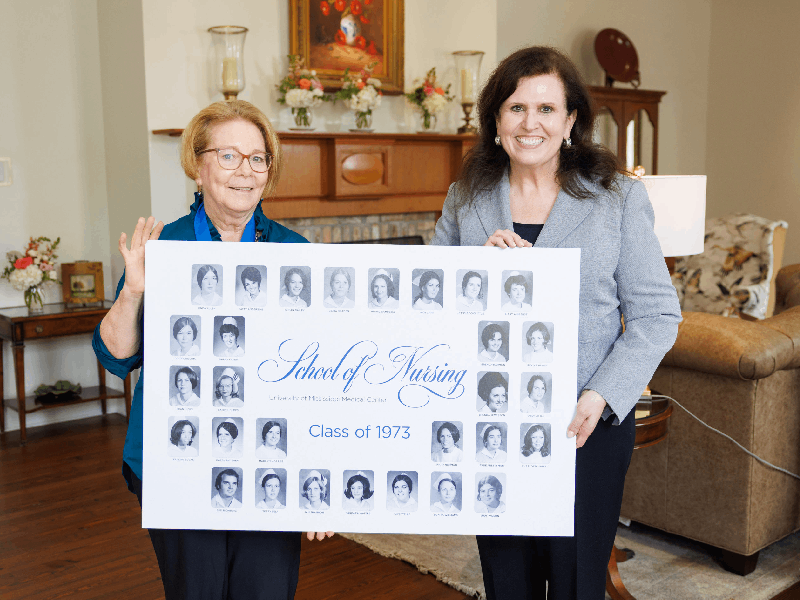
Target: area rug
665 566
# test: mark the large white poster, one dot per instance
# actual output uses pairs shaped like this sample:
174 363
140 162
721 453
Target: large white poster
306 387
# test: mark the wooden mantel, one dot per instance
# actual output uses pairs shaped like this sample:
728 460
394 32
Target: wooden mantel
346 174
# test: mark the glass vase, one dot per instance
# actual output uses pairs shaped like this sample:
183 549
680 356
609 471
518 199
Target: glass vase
363 121
228 62
34 299
427 123
302 119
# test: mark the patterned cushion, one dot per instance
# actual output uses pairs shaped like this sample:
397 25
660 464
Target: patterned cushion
734 272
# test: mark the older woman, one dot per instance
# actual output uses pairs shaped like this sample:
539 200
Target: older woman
315 491
429 288
534 403
181 438
185 333
253 294
271 484
340 286
357 494
207 280
493 391
294 282
490 490
448 435
229 334
382 289
400 500
233 154
492 441
270 436
186 383
535 177
470 298
516 289
538 338
492 339
447 488
536 445
226 391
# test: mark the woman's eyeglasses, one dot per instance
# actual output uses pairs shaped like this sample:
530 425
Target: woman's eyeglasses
230 159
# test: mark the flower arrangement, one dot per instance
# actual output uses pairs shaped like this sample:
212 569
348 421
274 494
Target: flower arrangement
36 265
301 90
429 99
361 93
354 14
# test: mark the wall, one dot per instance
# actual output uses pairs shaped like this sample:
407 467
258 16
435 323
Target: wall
753 118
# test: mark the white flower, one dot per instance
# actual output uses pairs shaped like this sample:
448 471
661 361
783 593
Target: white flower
434 103
374 82
22 279
367 99
13 255
300 98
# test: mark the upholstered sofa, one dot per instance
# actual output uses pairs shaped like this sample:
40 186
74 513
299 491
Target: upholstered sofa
743 378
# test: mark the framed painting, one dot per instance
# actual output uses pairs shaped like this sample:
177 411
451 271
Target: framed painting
82 282
334 35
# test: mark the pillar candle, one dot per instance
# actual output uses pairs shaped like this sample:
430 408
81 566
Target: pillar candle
230 75
466 86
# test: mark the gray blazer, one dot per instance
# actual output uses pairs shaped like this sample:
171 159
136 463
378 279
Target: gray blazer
622 273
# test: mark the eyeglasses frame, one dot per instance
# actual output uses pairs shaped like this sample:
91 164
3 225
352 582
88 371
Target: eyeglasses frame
243 155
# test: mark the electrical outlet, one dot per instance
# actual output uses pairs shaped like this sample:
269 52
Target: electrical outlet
5 171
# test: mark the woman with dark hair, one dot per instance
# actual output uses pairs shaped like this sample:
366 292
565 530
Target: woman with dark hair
185 333
536 445
516 288
229 334
538 338
294 282
251 282
493 390
470 297
340 285
429 286
492 339
448 435
492 441
270 436
535 177
448 490
358 495
227 432
181 438
315 492
207 279
226 392
490 490
400 500
186 382
382 289
271 485
537 388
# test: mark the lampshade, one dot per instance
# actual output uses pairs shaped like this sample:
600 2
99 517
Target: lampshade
679 202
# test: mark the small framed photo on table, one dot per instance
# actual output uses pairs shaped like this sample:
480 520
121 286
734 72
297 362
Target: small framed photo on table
82 282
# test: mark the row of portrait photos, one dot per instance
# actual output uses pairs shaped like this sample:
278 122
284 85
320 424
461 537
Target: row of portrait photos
465 290
314 489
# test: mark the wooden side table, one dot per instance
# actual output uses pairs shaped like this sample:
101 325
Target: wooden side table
57 320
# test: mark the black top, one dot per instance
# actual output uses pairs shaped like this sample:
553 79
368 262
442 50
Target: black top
528 231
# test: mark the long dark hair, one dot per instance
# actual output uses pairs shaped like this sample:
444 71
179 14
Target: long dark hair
485 164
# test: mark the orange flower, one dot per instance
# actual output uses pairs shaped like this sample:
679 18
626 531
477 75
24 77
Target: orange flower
361 41
339 5
304 83
371 48
340 38
367 2
439 91
360 85
364 20
325 7
355 7
24 262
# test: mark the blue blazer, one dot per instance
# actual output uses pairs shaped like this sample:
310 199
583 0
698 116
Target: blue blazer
622 273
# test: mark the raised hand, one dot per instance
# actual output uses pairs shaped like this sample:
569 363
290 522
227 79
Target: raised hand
134 258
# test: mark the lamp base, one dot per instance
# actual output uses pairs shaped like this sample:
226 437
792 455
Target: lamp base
230 95
467 127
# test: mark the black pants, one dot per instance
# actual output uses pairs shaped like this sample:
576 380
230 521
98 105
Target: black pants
519 568
223 565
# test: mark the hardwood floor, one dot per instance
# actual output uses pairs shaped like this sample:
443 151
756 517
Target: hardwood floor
69 528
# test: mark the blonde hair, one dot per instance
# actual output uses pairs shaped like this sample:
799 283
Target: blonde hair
197 136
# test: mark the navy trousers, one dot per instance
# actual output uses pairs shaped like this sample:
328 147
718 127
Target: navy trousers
522 568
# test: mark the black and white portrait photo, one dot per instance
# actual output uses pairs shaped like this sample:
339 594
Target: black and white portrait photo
185 335
270 488
315 489
489 493
226 487
446 442
359 488
295 287
184 388
228 387
535 443
492 392
471 293
402 491
493 341
491 441
207 285
517 291
536 393
227 437
251 285
183 438
427 289
446 492
537 342
271 439
339 290
384 289
229 338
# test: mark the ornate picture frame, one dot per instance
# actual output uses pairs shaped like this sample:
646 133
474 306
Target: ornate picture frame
350 33
82 282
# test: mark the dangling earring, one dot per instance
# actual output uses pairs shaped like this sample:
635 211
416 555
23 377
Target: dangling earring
568 142
198 195
497 140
